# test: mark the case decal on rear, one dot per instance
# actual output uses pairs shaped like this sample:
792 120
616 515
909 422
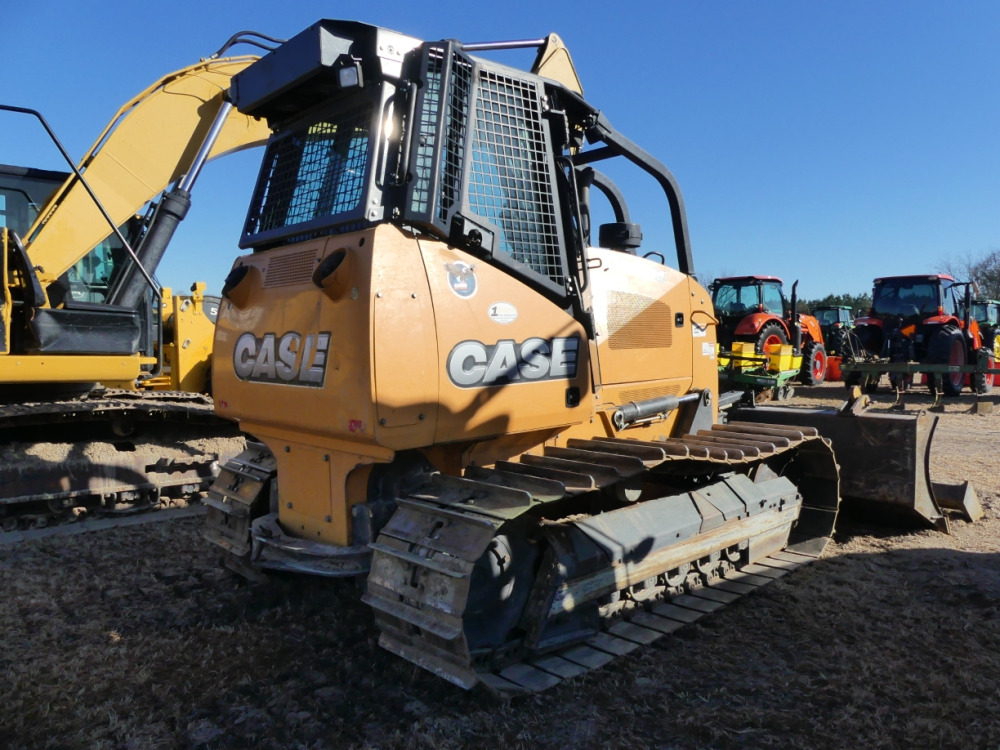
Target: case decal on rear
473 364
289 359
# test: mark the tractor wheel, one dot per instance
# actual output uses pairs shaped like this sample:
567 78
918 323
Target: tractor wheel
813 363
947 347
771 334
990 342
835 344
982 382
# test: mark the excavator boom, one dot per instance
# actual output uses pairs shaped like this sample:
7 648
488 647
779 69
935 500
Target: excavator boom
75 313
149 144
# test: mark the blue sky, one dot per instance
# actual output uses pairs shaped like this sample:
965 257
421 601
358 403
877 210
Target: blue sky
826 142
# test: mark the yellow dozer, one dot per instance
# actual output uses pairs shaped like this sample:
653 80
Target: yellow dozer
500 413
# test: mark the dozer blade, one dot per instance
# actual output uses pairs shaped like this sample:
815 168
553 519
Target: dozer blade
961 497
884 460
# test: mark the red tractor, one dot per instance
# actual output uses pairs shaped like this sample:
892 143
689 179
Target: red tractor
754 308
926 319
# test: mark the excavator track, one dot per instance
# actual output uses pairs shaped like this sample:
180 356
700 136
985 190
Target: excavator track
106 454
519 576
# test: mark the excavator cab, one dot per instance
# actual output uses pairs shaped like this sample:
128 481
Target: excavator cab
23 192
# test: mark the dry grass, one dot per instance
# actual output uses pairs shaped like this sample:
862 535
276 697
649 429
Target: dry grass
136 639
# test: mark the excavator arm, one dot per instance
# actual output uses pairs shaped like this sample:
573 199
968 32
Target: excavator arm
150 144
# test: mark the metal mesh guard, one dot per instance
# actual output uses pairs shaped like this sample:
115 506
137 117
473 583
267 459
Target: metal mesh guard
509 181
318 173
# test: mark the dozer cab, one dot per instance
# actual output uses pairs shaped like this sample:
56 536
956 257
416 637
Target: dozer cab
754 309
509 432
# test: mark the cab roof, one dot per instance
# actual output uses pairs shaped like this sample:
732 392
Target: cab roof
746 279
918 276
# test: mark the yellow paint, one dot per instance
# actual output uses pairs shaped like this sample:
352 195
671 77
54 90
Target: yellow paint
148 145
187 354
313 483
395 314
781 358
76 368
5 302
745 353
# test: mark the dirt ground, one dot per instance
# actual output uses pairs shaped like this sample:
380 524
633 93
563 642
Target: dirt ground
135 638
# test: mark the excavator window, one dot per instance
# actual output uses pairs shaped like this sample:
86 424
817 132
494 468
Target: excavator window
91 278
23 192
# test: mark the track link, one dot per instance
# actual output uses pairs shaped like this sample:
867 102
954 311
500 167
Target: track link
602 583
622 636
105 454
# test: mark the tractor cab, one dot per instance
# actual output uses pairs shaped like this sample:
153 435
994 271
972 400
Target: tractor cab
833 316
738 297
835 321
915 297
910 309
986 312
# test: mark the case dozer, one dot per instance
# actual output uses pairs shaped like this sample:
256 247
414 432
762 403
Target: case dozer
510 432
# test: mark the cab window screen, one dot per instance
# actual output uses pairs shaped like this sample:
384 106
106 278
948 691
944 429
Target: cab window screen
314 173
509 184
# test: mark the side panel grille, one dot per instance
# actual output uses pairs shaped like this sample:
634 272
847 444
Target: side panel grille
294 268
638 322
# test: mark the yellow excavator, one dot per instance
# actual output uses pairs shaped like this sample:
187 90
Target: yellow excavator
187 321
103 374
464 387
